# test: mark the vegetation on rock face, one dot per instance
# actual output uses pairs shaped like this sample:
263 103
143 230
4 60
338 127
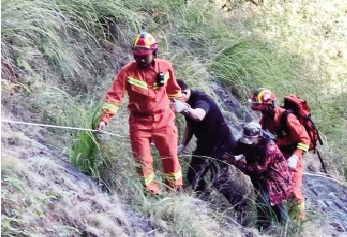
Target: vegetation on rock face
59 57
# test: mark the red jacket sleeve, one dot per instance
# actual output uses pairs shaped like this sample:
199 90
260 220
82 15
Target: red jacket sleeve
299 134
172 89
114 96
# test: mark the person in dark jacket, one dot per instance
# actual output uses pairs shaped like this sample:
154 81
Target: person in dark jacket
269 173
205 121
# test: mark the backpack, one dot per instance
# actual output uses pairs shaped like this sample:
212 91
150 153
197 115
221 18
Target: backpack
294 104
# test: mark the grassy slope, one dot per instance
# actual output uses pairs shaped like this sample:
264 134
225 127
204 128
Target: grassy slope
52 58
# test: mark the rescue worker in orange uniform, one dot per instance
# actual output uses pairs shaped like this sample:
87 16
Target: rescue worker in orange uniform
151 86
292 145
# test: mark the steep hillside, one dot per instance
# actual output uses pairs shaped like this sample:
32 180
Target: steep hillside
58 59
44 195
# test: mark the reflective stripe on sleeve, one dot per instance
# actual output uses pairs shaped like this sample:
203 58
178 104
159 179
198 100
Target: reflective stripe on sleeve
166 77
174 96
303 147
110 107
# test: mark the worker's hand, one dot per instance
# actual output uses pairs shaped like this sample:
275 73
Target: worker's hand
101 126
178 106
231 159
226 155
293 161
239 157
180 148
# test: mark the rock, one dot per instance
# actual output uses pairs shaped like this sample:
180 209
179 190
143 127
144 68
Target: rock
327 197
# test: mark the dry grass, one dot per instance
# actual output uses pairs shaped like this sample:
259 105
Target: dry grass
43 196
57 63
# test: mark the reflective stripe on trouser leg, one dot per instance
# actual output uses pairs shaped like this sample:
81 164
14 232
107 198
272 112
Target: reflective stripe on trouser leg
298 196
165 140
301 207
297 210
298 172
142 154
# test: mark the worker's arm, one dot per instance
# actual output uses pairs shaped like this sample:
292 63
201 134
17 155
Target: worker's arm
114 96
188 134
196 114
199 110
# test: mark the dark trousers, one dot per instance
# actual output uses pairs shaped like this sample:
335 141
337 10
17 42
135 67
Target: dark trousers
198 168
266 212
207 158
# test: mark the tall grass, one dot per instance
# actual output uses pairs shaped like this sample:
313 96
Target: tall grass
64 59
272 47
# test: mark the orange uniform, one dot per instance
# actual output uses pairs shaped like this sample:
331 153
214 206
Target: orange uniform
296 142
150 117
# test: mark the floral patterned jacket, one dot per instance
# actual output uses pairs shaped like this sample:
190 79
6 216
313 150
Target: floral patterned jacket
266 164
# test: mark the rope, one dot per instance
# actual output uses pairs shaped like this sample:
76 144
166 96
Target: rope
63 127
324 176
117 135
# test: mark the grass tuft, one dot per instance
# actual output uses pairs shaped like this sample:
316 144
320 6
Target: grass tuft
59 58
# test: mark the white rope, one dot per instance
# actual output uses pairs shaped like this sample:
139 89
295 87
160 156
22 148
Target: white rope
326 177
117 135
64 127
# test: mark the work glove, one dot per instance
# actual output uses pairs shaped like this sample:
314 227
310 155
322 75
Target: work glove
293 161
230 158
180 148
101 126
178 106
239 157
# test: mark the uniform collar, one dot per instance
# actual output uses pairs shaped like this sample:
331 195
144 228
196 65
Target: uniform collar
155 65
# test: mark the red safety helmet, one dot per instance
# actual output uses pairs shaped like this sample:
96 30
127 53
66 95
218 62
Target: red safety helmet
261 98
144 45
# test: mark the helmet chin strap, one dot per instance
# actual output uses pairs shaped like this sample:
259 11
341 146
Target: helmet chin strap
155 53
